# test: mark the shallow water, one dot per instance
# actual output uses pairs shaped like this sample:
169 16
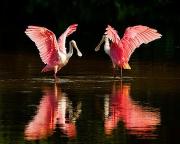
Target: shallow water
86 104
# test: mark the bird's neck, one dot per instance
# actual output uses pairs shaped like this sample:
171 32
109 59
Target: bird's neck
70 53
107 46
63 57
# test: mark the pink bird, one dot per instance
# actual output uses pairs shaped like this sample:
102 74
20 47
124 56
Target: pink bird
120 50
52 51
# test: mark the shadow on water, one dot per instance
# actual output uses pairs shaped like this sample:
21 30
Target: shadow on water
87 104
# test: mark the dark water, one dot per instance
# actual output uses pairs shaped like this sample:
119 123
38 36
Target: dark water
87 105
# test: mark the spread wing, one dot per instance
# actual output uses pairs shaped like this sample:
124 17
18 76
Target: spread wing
45 41
112 34
135 36
62 39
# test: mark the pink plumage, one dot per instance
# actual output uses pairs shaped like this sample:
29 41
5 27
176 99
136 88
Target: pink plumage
45 41
62 39
112 34
120 50
135 36
52 52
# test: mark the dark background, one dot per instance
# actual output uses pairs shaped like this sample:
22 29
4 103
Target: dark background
92 17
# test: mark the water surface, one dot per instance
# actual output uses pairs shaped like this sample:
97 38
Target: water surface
86 104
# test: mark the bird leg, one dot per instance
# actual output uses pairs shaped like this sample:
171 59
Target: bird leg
121 72
55 77
55 72
114 70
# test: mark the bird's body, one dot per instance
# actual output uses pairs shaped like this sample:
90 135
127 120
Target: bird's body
52 51
120 50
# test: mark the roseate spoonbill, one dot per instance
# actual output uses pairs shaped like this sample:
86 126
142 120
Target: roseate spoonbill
52 51
120 50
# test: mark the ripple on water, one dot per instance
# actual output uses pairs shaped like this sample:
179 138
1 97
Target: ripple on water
84 79
51 80
71 78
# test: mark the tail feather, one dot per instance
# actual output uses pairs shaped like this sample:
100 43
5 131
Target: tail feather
47 68
126 66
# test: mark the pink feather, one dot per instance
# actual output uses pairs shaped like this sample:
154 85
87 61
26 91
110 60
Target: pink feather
122 49
62 39
112 34
52 52
135 36
46 43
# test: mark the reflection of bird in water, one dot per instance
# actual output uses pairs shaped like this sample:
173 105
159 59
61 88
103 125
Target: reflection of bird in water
138 120
52 112
120 50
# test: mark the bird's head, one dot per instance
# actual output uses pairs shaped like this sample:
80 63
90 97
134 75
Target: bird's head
74 45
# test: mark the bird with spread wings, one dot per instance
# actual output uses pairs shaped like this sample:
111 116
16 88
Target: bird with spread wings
120 50
52 51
